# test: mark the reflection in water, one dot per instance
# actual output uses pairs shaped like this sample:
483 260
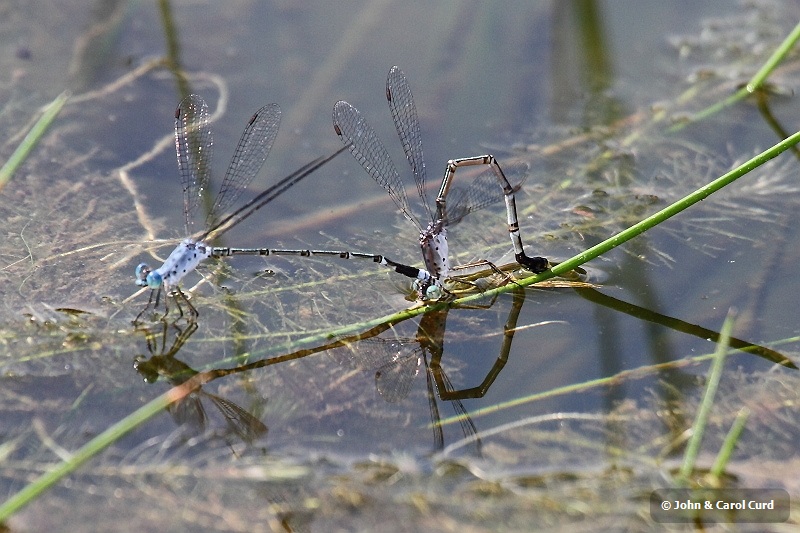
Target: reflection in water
676 324
189 410
675 382
396 366
395 362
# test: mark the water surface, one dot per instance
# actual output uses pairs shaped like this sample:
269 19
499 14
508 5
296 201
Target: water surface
573 89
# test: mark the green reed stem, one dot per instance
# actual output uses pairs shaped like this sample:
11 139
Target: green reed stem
754 84
32 138
156 406
726 450
703 414
649 222
86 452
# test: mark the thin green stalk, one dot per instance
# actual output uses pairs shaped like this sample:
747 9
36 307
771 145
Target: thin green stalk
32 138
158 404
703 414
755 82
725 452
650 222
608 381
772 63
86 452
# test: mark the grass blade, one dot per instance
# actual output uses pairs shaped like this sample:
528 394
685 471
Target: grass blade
32 138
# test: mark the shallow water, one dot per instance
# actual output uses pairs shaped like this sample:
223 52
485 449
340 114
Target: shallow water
574 90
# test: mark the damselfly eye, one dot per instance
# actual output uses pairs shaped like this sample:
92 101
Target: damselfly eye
434 292
141 273
154 280
142 270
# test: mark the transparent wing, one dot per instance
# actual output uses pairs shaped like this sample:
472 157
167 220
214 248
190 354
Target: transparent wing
189 411
404 114
394 379
193 145
484 190
395 364
240 422
251 153
370 152
436 419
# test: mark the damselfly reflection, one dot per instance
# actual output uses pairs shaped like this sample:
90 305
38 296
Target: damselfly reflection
397 362
370 152
164 340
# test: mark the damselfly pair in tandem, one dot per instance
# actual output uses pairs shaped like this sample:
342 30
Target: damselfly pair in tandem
193 145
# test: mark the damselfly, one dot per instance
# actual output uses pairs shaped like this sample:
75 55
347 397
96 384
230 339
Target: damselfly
368 150
193 144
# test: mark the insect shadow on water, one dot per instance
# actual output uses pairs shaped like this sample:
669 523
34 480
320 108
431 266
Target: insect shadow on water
396 364
370 152
163 341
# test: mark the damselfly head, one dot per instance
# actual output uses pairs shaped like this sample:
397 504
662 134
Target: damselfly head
145 277
146 368
142 270
434 292
428 290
